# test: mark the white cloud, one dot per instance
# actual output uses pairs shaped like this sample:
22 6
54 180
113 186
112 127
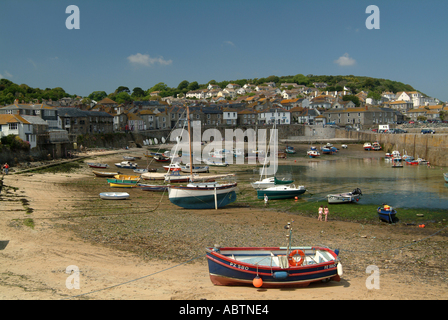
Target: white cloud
32 62
146 60
230 43
345 60
5 74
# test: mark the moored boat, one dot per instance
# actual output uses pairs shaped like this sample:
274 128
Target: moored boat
387 214
273 267
445 176
376 146
281 192
213 163
161 158
122 184
194 169
114 195
313 153
367 146
97 165
153 187
126 165
347 197
207 195
104 174
290 150
326 150
146 170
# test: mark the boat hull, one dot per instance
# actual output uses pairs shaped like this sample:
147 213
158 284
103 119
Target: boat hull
202 198
98 165
342 198
104 174
387 215
114 195
278 193
224 270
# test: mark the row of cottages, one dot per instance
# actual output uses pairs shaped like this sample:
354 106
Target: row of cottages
429 112
361 117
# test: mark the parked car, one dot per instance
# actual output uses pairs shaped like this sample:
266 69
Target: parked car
430 131
400 131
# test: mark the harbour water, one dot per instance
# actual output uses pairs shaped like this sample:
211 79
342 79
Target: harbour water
412 186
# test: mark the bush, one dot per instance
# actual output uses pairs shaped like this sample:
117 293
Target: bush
15 143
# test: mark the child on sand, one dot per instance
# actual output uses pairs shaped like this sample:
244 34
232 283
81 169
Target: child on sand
321 210
326 211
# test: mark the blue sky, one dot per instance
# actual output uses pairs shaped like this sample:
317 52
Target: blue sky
140 43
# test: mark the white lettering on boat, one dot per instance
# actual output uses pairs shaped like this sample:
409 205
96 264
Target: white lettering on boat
238 266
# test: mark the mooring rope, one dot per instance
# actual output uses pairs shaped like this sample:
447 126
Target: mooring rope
133 280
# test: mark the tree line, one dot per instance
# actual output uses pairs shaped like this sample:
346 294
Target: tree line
10 91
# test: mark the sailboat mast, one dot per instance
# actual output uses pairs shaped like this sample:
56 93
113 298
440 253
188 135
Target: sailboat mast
189 143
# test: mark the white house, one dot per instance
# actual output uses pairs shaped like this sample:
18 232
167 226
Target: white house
198 94
290 94
271 115
19 126
230 116
213 86
233 86
231 92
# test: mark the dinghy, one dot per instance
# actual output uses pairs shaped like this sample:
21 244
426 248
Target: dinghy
114 195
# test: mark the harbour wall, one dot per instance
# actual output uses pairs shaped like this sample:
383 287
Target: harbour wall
432 147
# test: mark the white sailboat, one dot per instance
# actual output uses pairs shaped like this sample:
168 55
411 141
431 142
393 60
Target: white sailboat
205 195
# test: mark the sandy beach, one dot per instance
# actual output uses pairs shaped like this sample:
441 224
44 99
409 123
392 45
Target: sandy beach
161 255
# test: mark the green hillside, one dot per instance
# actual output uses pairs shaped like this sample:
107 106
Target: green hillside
10 91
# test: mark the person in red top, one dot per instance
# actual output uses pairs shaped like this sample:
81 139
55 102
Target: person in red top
6 168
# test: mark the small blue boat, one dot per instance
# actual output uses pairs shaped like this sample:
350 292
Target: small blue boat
326 150
445 176
290 150
387 214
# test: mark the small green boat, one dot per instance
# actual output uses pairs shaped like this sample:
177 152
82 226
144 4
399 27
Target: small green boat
283 181
121 181
281 192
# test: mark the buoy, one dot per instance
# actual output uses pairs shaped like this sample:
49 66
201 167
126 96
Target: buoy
297 198
339 268
257 282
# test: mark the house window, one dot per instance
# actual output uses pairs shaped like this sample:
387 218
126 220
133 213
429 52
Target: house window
208 117
13 126
197 116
